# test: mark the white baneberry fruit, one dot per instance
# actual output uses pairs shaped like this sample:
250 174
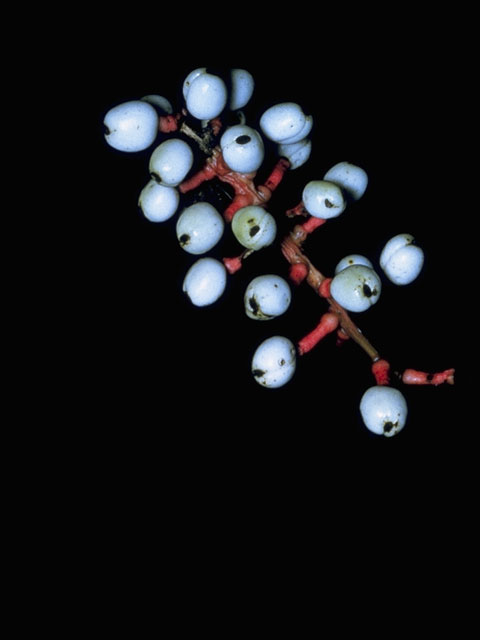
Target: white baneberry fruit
323 199
199 228
297 153
243 85
206 97
190 78
384 410
205 281
170 162
302 134
242 148
253 227
162 105
283 122
401 260
131 126
356 288
158 202
352 179
267 297
274 362
350 260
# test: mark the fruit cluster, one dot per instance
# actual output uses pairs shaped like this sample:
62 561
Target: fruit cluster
233 154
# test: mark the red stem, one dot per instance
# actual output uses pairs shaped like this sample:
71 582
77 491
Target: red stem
328 323
411 376
381 371
245 191
312 223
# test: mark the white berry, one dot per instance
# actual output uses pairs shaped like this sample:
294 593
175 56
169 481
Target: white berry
187 83
131 126
352 179
350 260
274 362
205 281
401 260
170 162
158 202
253 227
242 88
302 134
267 297
242 148
206 97
384 410
283 122
323 199
297 153
163 105
356 288
199 228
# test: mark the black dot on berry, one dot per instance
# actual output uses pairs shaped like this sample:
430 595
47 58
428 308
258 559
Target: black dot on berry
243 139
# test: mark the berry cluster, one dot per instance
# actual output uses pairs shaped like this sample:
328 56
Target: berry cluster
234 153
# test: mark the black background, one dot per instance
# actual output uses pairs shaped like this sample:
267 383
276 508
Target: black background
161 449
178 377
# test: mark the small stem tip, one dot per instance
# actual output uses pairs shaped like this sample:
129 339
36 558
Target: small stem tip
298 272
411 376
381 371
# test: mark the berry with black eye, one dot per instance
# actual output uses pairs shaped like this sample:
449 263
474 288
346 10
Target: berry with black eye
356 288
267 297
199 228
274 362
383 410
323 199
242 148
253 227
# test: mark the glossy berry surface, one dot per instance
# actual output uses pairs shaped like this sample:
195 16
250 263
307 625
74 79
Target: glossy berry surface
199 228
267 297
356 288
254 227
131 126
401 260
205 281
158 202
323 199
274 362
170 162
351 178
242 148
384 410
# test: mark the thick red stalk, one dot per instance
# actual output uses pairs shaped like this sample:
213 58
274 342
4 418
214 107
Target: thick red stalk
381 371
246 193
328 323
312 223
